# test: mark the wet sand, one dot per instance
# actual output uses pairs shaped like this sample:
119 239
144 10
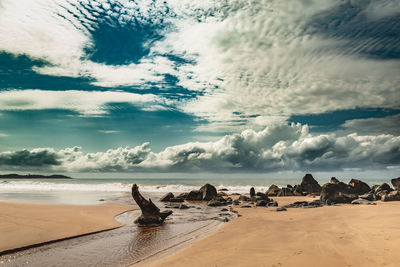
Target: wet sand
127 244
26 224
343 235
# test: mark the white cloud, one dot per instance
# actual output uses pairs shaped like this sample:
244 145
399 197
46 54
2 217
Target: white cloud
278 148
84 102
264 59
388 125
256 62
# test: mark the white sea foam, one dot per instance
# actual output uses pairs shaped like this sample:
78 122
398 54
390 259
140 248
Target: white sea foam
111 187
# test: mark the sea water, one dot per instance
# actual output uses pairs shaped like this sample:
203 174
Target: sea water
93 191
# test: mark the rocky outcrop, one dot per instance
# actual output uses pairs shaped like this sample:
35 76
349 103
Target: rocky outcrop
195 195
273 190
337 193
167 197
183 195
359 187
285 191
208 192
396 183
382 190
392 196
151 214
309 185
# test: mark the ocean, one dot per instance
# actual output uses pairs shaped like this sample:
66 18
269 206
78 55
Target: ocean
93 191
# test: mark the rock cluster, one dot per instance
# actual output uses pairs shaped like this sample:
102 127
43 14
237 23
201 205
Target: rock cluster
307 186
358 192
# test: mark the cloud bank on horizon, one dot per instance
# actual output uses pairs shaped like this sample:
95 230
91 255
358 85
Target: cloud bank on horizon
118 73
277 148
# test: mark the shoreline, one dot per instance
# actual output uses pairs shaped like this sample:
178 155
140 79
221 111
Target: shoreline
49 223
342 235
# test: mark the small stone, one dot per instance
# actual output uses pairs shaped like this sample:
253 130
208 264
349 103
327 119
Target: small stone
281 209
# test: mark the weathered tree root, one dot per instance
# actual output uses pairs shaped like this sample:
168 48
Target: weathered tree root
151 215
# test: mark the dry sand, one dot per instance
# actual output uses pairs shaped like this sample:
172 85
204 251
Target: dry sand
26 224
345 235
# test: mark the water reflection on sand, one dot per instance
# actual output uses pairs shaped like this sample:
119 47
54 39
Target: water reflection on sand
125 245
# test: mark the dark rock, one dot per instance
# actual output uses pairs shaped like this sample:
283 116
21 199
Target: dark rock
262 203
225 219
392 196
297 191
151 214
183 195
101 199
359 187
235 194
316 203
223 189
208 192
297 204
309 185
334 180
224 209
252 192
396 183
273 190
285 192
273 204
194 195
244 198
370 196
245 206
289 186
236 202
176 199
217 203
281 209
167 197
222 194
183 206
262 196
173 206
362 201
382 187
229 200
337 193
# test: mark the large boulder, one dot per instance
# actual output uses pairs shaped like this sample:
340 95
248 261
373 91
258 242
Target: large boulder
382 190
195 195
309 185
208 192
396 183
167 197
359 187
392 196
297 191
273 190
337 193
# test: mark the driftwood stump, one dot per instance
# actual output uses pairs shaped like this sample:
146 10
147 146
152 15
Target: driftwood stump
151 214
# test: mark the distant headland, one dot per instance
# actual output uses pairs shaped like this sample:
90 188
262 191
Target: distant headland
33 176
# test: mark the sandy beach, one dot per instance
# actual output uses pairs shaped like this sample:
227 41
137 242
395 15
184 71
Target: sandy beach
342 235
27 224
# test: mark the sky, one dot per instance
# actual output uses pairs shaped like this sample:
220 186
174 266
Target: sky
178 86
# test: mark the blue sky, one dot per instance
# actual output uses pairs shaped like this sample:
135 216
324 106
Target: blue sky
199 86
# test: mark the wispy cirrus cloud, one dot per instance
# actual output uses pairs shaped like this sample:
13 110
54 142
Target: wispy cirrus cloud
83 102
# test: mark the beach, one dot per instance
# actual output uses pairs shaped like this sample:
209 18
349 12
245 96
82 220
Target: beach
28 224
337 235
342 235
